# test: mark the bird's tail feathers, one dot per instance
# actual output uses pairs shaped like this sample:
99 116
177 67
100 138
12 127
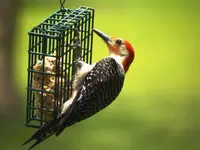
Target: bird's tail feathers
44 132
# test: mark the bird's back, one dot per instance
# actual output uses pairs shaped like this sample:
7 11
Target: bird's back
100 88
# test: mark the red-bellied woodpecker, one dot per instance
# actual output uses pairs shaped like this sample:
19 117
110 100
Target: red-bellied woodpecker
94 87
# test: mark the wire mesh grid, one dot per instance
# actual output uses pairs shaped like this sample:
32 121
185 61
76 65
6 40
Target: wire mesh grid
54 46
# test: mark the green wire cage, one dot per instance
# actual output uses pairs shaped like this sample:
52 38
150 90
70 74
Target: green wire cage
54 46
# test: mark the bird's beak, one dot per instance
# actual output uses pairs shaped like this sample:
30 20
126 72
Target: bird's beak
111 46
105 37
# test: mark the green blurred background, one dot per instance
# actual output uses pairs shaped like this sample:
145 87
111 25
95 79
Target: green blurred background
159 106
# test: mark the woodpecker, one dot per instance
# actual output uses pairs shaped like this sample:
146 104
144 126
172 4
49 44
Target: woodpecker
95 86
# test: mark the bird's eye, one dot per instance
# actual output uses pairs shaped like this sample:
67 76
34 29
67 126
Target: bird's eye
118 41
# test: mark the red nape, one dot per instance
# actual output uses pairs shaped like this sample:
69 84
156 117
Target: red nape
131 56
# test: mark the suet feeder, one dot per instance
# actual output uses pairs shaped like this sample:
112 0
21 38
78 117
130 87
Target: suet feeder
54 46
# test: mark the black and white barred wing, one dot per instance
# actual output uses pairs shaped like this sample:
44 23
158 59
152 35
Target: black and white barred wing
100 88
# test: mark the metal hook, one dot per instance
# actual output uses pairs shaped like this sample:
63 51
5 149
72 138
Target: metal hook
62 2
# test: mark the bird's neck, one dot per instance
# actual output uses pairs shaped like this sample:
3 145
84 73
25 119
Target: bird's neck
124 62
118 59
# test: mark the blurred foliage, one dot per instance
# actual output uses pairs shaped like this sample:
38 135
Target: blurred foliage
158 108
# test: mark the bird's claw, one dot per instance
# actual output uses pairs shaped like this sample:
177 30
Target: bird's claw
79 63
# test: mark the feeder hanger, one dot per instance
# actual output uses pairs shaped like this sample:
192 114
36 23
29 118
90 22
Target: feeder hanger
62 8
